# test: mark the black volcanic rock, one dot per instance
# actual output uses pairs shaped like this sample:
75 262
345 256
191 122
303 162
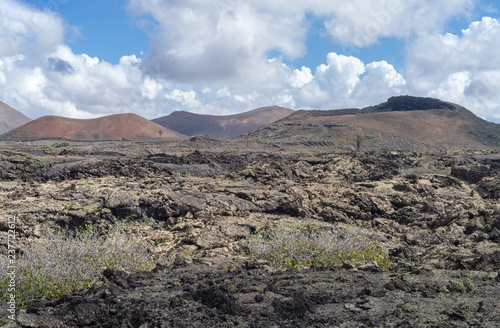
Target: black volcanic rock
407 103
440 234
393 104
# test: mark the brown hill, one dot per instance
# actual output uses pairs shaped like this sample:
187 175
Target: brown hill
112 127
223 127
402 123
11 118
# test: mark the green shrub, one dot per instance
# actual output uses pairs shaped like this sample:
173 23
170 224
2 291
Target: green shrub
458 286
61 145
463 286
298 246
468 284
64 261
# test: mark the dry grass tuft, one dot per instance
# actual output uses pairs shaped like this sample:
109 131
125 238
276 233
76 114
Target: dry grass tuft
299 247
64 261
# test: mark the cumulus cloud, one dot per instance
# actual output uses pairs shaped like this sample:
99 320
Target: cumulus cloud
187 99
40 74
227 56
219 39
151 88
380 82
346 81
24 29
227 43
364 22
460 68
77 85
299 78
59 65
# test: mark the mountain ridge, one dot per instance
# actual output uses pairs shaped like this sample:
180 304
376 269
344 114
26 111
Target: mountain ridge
401 122
126 126
11 118
223 126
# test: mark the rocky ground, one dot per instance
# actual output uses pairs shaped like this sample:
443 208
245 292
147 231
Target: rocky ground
437 214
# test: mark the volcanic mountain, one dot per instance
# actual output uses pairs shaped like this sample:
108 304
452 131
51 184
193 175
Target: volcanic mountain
11 118
403 122
223 127
113 127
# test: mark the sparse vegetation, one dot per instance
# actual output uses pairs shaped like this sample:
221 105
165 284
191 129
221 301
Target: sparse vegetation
201 205
468 284
458 286
299 246
61 144
64 261
463 286
424 169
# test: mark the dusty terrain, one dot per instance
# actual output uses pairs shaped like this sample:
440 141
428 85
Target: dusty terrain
403 122
437 214
112 127
223 127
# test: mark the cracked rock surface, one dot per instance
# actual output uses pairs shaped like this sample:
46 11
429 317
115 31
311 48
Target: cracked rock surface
437 214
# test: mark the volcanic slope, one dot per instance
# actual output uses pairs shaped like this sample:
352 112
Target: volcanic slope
113 127
402 122
11 118
222 127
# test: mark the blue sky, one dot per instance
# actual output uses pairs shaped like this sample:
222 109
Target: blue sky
96 57
109 32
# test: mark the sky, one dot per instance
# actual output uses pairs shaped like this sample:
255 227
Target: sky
89 58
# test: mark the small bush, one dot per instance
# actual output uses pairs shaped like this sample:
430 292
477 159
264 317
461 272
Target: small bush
463 286
458 286
298 246
65 261
61 145
468 284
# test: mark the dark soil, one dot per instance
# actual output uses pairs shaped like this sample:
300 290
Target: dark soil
251 294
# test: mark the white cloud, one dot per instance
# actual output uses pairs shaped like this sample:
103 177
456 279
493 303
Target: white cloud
150 88
219 39
299 78
90 62
24 29
226 43
364 22
2 74
81 86
184 98
453 87
380 82
214 57
223 93
460 68
333 81
347 82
